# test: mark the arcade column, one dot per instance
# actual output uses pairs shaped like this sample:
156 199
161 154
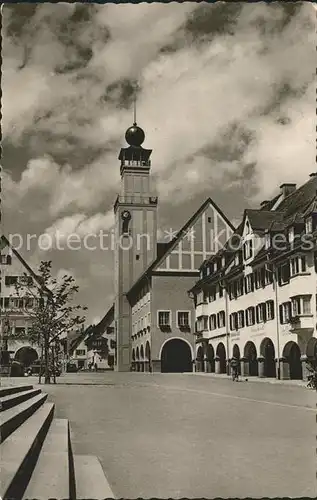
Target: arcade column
284 369
156 365
244 366
261 367
217 365
303 360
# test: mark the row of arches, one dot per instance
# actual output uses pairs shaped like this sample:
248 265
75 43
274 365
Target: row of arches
211 361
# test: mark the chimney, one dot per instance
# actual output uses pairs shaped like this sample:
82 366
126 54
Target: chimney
313 174
287 189
263 203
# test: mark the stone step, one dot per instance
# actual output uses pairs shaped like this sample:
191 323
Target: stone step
51 476
91 481
19 452
11 400
5 391
12 418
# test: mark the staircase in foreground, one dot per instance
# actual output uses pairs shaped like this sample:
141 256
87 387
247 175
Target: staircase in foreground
36 456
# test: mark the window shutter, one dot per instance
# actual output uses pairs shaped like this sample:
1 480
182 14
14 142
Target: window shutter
231 328
289 308
281 314
264 312
272 309
246 318
252 282
242 319
236 321
257 313
6 302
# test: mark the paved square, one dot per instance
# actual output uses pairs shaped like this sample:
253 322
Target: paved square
164 435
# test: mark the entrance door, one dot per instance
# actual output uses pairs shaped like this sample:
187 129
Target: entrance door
176 357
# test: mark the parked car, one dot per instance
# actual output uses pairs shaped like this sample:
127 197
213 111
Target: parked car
71 368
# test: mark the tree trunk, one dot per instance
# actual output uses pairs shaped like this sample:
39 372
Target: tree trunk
41 363
47 379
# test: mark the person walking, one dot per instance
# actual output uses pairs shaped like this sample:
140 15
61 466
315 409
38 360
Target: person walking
235 369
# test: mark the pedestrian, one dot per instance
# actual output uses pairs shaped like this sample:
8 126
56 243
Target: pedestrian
234 367
96 367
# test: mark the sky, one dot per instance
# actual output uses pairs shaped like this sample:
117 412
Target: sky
225 95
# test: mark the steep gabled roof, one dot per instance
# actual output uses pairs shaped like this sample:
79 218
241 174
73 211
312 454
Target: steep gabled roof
6 243
296 202
108 318
262 219
171 245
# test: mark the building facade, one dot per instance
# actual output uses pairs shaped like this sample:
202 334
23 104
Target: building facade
153 315
256 299
16 309
100 343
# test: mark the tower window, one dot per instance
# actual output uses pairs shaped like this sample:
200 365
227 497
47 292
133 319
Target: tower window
209 219
137 257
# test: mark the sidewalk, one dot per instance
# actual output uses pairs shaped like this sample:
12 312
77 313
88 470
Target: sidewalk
298 383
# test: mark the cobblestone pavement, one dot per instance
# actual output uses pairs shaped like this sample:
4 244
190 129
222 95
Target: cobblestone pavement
177 435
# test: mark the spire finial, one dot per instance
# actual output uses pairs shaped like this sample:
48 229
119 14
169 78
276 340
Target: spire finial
134 109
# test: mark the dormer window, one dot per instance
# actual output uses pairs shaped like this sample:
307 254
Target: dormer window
291 235
309 225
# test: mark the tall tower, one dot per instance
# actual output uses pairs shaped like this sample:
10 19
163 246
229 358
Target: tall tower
135 234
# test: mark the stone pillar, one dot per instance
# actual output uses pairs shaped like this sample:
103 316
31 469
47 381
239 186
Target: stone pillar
217 365
284 369
228 367
244 366
205 365
156 365
261 366
208 366
304 366
194 366
277 369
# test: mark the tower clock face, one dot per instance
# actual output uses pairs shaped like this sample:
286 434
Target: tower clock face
126 215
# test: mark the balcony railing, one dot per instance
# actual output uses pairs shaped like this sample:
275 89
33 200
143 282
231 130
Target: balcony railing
136 199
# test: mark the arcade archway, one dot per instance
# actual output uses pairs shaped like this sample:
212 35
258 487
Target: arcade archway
137 357
26 356
251 356
221 354
292 354
236 354
311 351
148 357
142 359
267 350
176 357
200 359
210 359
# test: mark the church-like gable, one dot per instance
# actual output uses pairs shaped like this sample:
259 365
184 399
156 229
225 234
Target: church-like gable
200 238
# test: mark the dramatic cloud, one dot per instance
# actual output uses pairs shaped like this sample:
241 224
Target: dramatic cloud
225 94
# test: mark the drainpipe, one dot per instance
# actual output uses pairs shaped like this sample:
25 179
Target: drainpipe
223 286
275 283
191 295
227 328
